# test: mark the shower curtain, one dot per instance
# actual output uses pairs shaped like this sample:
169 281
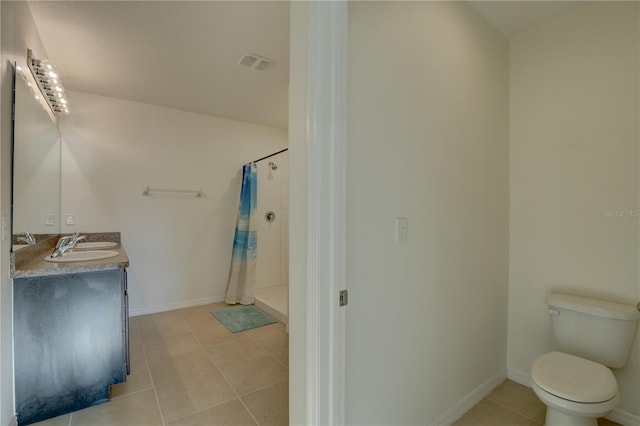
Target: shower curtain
242 275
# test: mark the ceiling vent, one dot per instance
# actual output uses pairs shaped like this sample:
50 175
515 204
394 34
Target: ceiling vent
255 62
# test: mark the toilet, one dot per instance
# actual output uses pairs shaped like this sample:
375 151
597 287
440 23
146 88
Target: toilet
591 335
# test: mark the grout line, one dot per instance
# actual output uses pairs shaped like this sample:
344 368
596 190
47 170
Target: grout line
265 387
257 343
285 365
514 411
153 386
205 409
114 398
271 353
225 377
131 393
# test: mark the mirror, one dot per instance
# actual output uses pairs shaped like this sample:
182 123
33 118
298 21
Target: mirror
36 165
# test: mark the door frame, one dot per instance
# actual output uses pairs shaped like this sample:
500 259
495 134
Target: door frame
317 141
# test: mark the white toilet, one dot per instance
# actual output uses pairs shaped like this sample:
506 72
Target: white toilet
576 384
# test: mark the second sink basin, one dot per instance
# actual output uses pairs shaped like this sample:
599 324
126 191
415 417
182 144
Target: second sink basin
83 256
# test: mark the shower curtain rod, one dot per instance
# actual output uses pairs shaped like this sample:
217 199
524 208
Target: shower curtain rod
270 155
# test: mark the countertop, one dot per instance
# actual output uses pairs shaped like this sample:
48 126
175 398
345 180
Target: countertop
29 261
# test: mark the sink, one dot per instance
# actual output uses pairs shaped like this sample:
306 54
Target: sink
83 256
95 245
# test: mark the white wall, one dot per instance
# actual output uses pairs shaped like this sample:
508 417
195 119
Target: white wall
179 248
428 140
18 34
574 158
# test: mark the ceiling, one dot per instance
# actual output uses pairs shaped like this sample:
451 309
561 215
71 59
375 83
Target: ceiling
177 54
514 17
185 54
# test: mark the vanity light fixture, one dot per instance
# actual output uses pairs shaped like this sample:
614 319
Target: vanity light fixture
48 81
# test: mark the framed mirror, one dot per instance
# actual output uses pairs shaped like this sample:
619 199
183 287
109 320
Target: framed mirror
36 165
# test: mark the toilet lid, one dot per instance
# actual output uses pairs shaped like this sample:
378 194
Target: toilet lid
573 378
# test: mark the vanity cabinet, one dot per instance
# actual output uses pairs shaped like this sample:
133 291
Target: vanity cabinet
70 341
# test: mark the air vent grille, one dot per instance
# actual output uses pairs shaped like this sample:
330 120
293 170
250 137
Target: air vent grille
255 62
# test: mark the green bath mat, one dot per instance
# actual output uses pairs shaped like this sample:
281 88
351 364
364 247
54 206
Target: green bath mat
242 317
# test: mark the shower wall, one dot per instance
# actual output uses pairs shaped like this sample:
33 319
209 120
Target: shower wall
272 267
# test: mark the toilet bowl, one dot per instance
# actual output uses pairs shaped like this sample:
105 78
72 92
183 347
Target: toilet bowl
575 390
591 335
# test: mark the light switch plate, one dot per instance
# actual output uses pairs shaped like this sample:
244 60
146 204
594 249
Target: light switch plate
401 230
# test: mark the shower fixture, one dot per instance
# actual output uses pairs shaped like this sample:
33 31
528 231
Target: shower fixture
273 165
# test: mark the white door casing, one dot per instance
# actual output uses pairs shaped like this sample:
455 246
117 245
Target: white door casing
317 158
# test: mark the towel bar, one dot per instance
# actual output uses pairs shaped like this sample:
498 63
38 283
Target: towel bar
195 193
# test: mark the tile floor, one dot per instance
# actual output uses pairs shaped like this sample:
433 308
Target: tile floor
188 369
510 404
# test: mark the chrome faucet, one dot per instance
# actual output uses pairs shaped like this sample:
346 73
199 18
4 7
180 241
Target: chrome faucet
66 243
27 237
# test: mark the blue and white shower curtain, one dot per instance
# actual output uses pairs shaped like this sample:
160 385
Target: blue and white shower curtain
242 276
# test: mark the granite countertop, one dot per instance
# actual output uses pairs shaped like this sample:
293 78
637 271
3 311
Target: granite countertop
29 261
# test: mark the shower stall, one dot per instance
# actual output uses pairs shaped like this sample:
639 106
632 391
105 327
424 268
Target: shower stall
271 290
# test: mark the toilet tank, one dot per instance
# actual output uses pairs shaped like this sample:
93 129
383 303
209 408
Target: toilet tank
598 330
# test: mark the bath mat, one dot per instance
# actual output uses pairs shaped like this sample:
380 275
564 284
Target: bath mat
242 317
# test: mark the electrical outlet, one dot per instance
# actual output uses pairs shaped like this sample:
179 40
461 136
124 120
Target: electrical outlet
71 219
49 219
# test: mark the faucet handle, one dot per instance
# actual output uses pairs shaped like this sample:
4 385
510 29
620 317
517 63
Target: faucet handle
77 237
27 237
62 241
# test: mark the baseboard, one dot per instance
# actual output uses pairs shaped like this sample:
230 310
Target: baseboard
624 418
617 415
177 305
274 313
519 377
471 399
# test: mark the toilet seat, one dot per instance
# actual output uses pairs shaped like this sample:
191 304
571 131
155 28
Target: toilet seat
573 378
575 409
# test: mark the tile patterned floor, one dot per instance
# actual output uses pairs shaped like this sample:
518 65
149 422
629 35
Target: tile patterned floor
187 369
510 404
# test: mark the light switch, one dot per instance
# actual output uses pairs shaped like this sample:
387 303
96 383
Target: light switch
401 230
